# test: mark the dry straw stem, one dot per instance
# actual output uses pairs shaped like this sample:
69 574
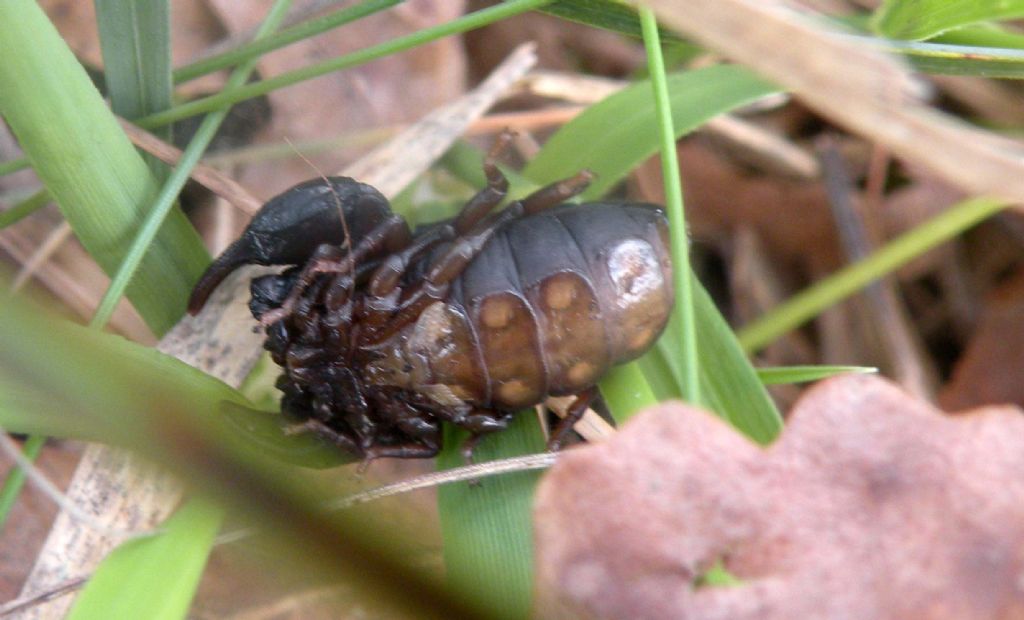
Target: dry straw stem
120 489
207 176
857 87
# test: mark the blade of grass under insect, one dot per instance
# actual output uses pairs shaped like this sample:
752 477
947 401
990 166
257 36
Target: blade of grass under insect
921 19
88 165
811 301
15 479
487 527
472 21
24 208
135 38
305 30
680 242
782 375
613 137
179 176
153 577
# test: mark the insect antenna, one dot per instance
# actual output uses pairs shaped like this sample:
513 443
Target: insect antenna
347 241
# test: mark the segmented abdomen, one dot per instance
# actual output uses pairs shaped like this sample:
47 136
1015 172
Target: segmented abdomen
548 306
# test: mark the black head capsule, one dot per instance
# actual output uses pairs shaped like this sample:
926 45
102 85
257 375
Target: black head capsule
292 225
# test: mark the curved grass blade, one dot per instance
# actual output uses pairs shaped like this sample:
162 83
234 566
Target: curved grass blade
616 135
922 19
25 410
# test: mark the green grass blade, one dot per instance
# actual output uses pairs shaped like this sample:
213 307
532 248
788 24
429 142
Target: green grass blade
811 301
626 390
135 38
982 35
88 165
921 19
23 410
24 208
153 577
944 59
302 31
620 132
680 242
487 528
604 14
10 167
612 139
802 374
15 479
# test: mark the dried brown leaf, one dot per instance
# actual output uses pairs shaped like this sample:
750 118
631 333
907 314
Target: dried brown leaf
871 505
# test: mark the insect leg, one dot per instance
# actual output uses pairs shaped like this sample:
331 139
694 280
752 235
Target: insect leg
440 273
411 450
387 276
556 193
481 423
572 416
344 442
390 235
448 266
